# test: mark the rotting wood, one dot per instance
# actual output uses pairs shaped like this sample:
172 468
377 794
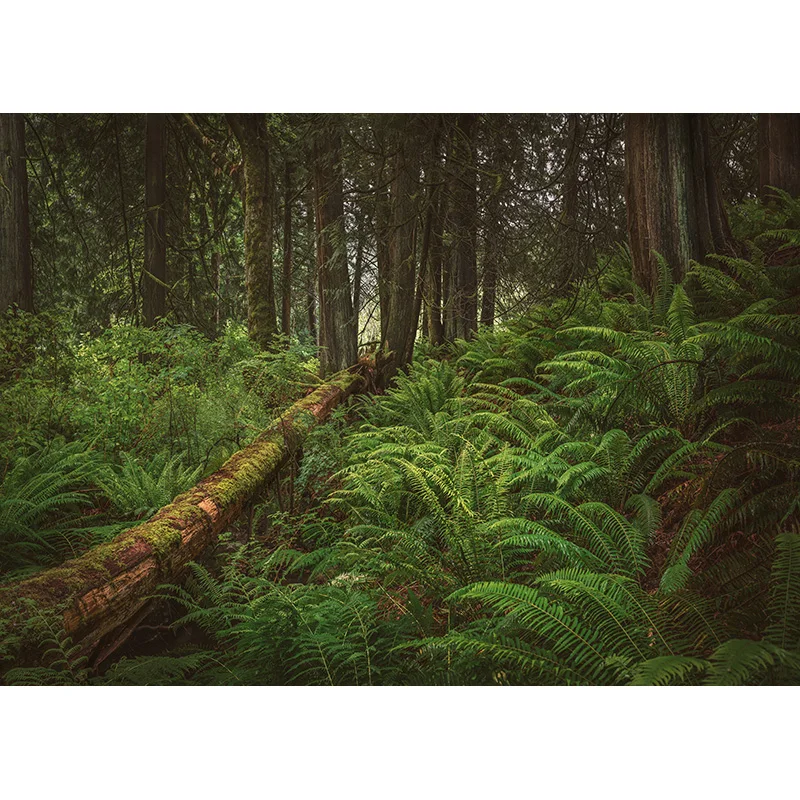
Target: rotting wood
94 597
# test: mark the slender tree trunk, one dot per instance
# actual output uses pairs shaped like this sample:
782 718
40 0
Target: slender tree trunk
16 270
216 269
359 268
383 235
490 259
421 290
155 242
494 177
338 332
251 133
435 276
180 239
464 216
449 329
673 202
779 153
286 289
424 293
571 250
313 261
125 227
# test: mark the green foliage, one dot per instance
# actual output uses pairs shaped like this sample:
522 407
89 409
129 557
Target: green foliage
145 412
62 661
603 492
137 491
40 500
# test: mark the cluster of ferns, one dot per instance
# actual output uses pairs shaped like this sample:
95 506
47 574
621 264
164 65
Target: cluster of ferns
603 492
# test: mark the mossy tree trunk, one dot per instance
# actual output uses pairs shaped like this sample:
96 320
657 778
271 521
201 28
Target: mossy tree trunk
338 326
16 271
779 153
251 132
673 201
154 296
98 598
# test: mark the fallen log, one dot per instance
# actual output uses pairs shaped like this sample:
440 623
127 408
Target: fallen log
98 597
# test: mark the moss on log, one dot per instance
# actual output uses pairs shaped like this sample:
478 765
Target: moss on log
94 597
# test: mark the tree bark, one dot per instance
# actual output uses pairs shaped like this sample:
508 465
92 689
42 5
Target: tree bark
571 250
779 153
124 209
435 276
383 227
313 261
338 328
16 269
490 265
464 226
251 132
494 178
155 242
96 597
424 292
358 271
286 288
180 239
401 279
673 202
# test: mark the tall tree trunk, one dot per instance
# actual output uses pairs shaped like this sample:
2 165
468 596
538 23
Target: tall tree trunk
180 239
251 132
155 242
16 271
286 288
424 293
673 202
216 270
338 334
494 177
435 276
359 268
490 259
125 227
313 261
571 250
383 235
449 331
420 291
779 153
464 217
400 282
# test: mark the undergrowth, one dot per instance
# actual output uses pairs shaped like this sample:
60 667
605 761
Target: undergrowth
96 434
605 491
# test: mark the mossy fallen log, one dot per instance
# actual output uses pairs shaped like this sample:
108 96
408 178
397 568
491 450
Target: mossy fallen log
99 597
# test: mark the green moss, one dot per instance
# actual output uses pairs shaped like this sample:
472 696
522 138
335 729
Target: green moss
162 536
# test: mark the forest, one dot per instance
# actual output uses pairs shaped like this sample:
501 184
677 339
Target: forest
399 399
